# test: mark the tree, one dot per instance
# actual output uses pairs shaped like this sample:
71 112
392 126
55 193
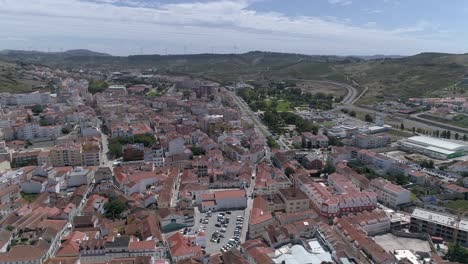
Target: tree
115 149
97 86
449 134
427 164
272 143
413 129
368 118
114 208
402 126
329 168
65 130
465 137
457 136
37 109
197 151
352 113
457 253
289 171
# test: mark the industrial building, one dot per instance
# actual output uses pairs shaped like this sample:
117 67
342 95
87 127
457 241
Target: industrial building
433 147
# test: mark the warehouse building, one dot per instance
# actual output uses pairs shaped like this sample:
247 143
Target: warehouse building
433 147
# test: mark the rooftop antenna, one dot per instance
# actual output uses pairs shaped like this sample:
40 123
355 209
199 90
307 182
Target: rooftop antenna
185 50
212 50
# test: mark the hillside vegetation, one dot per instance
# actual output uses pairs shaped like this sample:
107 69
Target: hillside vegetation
11 79
425 74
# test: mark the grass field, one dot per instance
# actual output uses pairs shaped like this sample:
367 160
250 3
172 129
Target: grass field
283 106
459 120
461 205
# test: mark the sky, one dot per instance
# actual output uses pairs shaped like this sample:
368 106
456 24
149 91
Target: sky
318 27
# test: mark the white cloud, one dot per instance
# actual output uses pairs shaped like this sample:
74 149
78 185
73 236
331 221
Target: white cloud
199 25
372 11
340 2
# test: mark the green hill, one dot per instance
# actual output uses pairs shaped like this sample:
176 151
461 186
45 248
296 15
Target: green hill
13 80
426 74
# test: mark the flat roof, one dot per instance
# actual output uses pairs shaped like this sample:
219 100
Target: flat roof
435 142
297 254
440 218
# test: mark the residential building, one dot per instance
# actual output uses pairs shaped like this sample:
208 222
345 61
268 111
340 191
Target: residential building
365 141
294 200
390 194
340 197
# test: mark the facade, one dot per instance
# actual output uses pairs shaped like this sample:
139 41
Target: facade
372 223
294 200
388 193
224 200
66 155
365 141
34 98
75 155
433 147
30 131
440 225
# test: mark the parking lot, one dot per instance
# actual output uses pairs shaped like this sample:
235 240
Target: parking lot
212 226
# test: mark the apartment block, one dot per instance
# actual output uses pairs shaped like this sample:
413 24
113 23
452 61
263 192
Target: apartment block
442 225
388 193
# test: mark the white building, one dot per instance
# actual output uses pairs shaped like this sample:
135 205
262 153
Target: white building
388 193
434 147
224 200
80 176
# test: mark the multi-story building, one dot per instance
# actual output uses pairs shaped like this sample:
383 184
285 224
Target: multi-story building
388 193
345 197
442 225
87 154
91 154
365 141
373 223
294 200
34 98
30 131
95 250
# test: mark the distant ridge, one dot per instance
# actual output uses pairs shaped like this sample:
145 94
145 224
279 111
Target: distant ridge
75 52
85 52
380 57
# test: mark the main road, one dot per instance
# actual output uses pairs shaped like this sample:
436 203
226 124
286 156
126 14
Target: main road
260 127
